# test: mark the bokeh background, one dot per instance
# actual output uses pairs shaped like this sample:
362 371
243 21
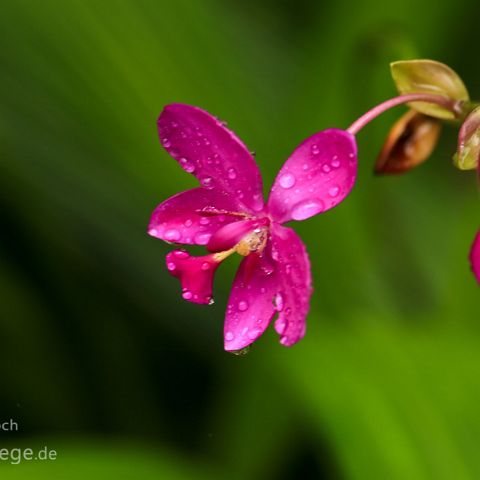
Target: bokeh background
101 360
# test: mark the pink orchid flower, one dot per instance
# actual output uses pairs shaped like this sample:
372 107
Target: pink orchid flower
228 215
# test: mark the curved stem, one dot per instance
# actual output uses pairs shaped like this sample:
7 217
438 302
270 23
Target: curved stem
366 118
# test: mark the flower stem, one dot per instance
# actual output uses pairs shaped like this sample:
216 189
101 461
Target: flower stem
452 105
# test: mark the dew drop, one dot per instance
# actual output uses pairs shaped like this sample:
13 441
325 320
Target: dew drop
305 166
281 325
202 238
257 202
166 142
153 232
171 266
335 163
306 209
207 182
255 333
315 150
284 341
287 180
278 302
334 191
229 336
326 168
187 295
242 305
205 266
267 270
172 235
188 222
204 221
187 165
206 141
232 173
181 254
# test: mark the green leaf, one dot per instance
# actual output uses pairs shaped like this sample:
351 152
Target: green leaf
428 76
468 150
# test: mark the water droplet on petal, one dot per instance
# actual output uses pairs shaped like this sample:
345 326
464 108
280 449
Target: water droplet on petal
335 163
187 165
315 150
305 166
202 238
204 221
232 173
334 191
207 182
255 333
257 202
306 209
242 305
206 141
205 266
284 341
281 325
171 266
229 336
278 302
188 222
172 235
326 168
187 295
166 142
153 232
181 254
287 180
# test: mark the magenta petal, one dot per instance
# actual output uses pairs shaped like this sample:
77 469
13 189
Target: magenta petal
317 176
250 308
293 298
204 147
475 257
229 235
195 275
179 219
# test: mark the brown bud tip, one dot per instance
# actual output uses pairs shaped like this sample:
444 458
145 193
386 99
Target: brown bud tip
409 143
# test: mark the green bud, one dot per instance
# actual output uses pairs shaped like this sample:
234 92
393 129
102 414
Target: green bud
429 76
468 150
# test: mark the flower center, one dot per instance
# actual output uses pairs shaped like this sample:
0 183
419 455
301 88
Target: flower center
254 241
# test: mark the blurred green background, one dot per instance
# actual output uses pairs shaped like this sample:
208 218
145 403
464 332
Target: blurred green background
101 359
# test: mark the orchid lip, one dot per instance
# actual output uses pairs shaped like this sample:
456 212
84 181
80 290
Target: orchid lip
234 233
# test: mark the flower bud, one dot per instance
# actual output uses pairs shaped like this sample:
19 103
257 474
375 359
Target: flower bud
429 76
409 143
468 150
